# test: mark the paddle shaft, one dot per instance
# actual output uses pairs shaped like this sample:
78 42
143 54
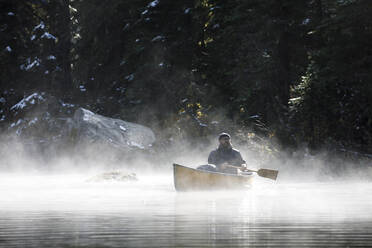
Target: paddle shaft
267 173
241 168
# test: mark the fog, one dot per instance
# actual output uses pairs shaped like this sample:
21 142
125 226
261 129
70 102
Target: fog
18 156
266 199
54 201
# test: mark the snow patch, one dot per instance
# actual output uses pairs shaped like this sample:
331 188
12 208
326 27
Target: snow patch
122 128
135 144
33 121
33 37
153 4
14 124
121 89
2 100
68 105
82 88
51 57
126 26
8 48
40 26
187 10
306 21
129 77
87 114
48 36
28 65
157 38
11 14
30 99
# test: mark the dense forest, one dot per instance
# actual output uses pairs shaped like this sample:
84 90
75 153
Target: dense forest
296 72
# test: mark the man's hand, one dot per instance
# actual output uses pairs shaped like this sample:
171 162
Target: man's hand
224 166
243 167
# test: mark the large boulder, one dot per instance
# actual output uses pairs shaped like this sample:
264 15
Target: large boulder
38 120
47 126
90 128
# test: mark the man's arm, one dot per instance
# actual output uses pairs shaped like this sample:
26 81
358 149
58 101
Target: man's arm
239 160
212 158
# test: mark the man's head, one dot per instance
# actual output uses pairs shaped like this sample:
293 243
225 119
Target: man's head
224 139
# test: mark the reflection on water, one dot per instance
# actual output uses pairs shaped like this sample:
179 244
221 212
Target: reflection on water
50 211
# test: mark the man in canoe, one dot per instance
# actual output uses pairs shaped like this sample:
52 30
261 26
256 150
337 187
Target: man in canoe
224 157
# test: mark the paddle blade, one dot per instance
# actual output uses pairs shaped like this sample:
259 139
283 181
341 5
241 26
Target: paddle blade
272 174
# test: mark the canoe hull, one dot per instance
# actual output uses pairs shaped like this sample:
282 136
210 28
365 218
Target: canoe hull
189 179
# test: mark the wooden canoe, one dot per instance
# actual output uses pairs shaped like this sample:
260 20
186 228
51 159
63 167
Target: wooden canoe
189 179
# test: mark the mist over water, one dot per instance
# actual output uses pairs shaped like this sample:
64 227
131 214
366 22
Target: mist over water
67 211
58 205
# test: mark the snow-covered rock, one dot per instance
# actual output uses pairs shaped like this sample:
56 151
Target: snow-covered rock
94 128
116 176
48 126
38 117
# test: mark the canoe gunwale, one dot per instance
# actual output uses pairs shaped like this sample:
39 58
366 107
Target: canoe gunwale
214 172
191 179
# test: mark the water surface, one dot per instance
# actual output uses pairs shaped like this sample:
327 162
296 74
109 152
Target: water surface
67 211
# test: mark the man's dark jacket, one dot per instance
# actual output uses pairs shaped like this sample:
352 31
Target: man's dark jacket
225 155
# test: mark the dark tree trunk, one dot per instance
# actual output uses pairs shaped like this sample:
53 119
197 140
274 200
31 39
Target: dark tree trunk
63 32
284 68
66 47
283 55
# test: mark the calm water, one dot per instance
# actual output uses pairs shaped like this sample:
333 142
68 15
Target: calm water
67 211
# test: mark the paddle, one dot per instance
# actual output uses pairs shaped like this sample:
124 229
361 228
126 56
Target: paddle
267 173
